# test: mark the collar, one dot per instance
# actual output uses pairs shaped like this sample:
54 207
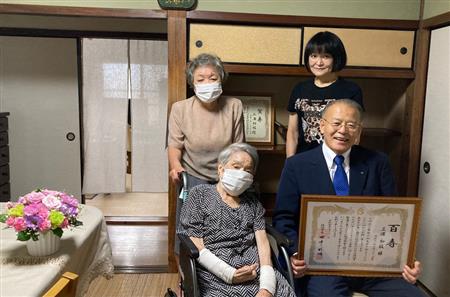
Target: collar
329 155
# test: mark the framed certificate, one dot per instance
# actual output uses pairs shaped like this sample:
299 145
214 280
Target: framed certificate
259 117
358 235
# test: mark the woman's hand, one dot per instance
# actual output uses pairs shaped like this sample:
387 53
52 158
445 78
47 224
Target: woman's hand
175 174
298 267
244 274
264 293
175 163
412 274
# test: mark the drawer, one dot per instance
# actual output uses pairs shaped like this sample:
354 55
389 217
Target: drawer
3 124
3 138
373 48
5 192
4 155
246 44
4 174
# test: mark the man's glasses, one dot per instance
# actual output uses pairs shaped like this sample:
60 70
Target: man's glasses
350 126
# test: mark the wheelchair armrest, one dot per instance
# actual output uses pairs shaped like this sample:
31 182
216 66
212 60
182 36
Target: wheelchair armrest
187 243
280 238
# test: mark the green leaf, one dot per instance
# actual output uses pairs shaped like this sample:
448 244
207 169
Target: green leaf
58 232
23 236
3 218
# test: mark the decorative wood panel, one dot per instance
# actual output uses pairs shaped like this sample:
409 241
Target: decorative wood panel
372 48
246 44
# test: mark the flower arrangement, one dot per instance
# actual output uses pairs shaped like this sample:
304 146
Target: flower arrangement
41 211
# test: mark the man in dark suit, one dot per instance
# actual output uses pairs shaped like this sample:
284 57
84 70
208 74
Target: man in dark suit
359 172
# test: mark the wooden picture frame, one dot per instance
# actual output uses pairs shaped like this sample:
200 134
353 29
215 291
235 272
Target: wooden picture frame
259 118
358 235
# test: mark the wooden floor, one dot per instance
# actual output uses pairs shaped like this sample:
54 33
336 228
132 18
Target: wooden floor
139 246
133 285
137 228
130 204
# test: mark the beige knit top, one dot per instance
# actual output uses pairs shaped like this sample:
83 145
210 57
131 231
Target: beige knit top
201 133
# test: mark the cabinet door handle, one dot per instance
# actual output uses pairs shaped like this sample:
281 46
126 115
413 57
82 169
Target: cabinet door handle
426 167
70 136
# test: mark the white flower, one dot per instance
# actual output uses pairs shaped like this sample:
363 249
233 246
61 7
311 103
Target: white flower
51 202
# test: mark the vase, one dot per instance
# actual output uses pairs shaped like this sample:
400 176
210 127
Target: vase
47 244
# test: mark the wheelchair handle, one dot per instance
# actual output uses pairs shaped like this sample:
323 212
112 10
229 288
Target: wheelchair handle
184 179
184 188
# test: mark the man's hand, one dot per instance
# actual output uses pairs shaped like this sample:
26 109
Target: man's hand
175 174
298 267
244 274
412 274
263 293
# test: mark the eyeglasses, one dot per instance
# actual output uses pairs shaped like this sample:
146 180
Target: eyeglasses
350 126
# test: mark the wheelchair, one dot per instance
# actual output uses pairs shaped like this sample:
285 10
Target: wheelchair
189 254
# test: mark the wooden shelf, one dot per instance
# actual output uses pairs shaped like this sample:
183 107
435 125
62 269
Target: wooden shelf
301 71
279 149
380 132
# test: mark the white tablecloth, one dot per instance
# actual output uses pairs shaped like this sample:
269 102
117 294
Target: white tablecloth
84 250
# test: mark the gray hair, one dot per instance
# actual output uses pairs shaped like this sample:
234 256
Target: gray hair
226 153
347 102
205 60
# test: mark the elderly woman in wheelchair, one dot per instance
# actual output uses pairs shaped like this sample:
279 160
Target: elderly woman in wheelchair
226 223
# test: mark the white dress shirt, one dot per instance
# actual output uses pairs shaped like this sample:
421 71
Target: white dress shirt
329 157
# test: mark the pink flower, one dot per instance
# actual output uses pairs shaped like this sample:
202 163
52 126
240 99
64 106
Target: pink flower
31 209
51 202
44 225
19 224
10 221
34 197
43 211
65 223
10 204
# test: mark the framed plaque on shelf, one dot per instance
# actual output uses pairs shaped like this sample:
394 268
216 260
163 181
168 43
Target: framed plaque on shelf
358 235
259 117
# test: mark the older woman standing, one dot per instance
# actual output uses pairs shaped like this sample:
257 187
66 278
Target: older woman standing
201 126
227 225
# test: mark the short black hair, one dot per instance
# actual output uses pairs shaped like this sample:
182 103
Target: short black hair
328 43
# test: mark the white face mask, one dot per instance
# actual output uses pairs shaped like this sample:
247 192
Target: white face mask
235 181
208 92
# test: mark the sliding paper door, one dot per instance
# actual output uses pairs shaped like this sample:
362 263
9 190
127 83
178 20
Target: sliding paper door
105 105
148 59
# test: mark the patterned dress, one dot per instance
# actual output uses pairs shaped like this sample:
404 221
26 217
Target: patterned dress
229 233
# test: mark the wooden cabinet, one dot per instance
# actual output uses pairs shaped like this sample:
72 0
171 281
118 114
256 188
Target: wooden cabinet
5 192
246 44
372 48
373 54
381 55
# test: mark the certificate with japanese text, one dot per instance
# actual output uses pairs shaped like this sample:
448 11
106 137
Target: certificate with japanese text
358 235
258 119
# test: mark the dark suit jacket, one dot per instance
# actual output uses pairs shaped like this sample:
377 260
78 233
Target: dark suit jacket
307 173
